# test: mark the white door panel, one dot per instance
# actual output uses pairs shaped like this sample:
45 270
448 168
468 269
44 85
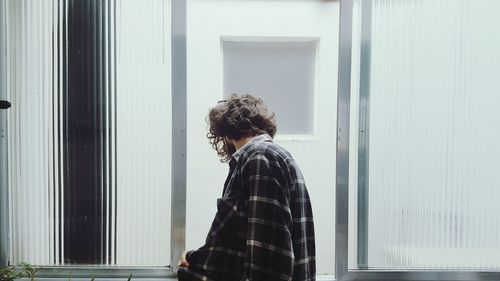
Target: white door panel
209 22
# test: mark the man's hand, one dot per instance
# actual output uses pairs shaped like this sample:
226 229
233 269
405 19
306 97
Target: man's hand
183 261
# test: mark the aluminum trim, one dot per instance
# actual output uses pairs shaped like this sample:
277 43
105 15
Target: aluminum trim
364 134
342 157
179 125
4 191
421 275
98 278
58 272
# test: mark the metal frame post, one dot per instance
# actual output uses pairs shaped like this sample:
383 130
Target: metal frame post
179 124
4 190
343 103
364 134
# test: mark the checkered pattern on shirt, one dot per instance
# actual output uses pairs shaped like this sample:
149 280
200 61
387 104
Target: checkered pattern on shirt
263 229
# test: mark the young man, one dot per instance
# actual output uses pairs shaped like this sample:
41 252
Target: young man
263 229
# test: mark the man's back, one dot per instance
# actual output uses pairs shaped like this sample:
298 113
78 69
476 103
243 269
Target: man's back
263 229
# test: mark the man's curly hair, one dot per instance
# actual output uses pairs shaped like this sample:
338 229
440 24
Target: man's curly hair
235 118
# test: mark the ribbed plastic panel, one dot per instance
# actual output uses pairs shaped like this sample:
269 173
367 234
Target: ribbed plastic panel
434 158
89 131
144 114
35 188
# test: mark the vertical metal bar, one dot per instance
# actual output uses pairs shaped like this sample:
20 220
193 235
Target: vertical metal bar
179 116
113 82
364 133
343 104
4 201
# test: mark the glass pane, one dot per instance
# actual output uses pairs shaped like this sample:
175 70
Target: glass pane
89 131
281 73
432 156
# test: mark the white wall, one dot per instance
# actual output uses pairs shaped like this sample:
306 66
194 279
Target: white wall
207 22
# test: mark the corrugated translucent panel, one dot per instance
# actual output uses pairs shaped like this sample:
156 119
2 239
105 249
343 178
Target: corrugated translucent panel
143 132
89 131
434 157
32 165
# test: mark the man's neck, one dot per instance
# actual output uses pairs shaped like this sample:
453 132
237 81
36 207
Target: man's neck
241 142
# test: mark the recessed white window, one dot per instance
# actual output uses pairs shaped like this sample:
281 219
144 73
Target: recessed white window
281 72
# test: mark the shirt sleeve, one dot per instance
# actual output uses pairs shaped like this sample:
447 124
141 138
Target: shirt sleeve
269 247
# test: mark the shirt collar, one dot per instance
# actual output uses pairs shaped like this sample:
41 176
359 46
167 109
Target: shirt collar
257 139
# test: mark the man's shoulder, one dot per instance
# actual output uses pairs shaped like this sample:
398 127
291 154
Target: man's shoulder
268 150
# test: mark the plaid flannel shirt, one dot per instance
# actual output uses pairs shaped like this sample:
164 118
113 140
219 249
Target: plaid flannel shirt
263 229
